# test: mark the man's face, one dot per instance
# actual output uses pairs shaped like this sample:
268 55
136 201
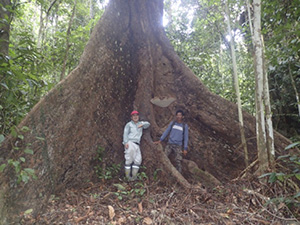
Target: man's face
135 117
179 117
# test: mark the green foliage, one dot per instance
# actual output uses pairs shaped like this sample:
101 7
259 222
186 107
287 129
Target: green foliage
16 163
198 32
106 172
155 174
128 192
294 163
36 53
281 32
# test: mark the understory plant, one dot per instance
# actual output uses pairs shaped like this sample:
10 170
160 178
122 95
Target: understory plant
287 180
18 159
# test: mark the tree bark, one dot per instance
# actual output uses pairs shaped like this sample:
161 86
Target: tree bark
5 18
264 127
237 88
268 115
127 64
258 65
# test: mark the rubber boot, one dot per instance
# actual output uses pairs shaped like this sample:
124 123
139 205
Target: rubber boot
135 170
127 172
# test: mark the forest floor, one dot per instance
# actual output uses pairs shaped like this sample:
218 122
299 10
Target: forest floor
118 202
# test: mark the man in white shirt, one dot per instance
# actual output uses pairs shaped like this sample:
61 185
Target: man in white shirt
133 132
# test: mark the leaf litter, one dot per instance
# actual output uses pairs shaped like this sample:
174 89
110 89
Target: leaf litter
239 202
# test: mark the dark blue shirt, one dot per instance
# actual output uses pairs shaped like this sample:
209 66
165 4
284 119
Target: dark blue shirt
176 134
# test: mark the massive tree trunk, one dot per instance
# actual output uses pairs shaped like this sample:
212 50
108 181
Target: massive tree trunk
127 64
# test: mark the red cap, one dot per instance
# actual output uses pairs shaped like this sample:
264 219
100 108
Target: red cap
134 112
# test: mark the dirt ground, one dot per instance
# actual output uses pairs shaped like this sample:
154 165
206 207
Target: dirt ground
141 202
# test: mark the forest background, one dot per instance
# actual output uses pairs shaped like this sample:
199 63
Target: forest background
42 42
47 38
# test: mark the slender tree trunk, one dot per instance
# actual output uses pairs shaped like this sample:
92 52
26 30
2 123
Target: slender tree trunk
266 99
265 136
220 63
5 20
249 17
41 29
268 115
92 14
259 79
68 42
237 88
43 25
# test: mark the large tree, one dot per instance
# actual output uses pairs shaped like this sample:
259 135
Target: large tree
127 64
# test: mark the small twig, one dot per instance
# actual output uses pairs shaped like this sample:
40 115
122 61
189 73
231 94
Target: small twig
244 172
255 194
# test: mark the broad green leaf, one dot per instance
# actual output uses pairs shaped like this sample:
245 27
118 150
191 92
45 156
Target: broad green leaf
2 167
4 85
272 178
25 178
25 129
21 136
22 159
120 187
28 151
40 138
297 195
292 145
2 138
14 132
29 170
28 211
297 176
280 176
283 156
265 175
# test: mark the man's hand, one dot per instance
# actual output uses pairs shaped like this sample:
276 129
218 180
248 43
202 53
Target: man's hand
126 145
157 142
184 152
141 125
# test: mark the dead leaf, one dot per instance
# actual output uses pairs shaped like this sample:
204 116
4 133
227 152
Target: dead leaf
140 207
225 215
230 212
111 212
147 220
281 205
121 220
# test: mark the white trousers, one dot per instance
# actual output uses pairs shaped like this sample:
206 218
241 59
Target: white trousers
133 154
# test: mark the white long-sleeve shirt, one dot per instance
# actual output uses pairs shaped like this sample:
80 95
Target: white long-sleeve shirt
133 133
